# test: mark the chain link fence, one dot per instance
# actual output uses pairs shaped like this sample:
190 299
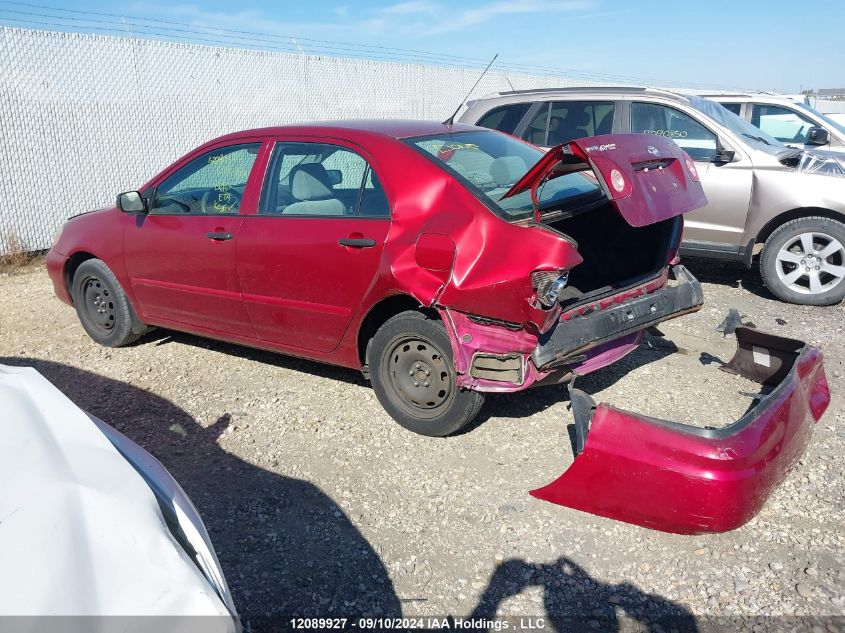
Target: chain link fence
84 117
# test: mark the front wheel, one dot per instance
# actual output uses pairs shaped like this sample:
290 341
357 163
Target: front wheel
413 375
103 307
803 261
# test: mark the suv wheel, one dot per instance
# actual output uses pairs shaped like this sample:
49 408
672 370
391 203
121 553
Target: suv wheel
413 375
103 307
803 261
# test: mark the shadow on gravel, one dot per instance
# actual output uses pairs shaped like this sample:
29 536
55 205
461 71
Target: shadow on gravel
728 273
165 337
285 547
576 602
520 405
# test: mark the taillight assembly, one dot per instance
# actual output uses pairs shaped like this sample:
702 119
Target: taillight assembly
693 172
548 285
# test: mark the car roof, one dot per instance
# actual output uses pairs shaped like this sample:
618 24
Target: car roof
358 129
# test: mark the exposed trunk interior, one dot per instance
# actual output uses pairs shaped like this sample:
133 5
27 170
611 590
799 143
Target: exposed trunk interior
615 253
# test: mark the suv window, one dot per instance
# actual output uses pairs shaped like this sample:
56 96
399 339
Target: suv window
562 121
695 139
736 108
569 120
211 184
505 118
785 124
321 179
537 128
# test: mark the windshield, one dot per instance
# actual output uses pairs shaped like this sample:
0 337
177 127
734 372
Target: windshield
754 136
489 163
823 117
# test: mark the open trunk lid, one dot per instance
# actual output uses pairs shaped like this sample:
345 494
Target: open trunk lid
648 178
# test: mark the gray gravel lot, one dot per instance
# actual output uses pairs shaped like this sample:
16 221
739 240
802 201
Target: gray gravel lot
317 502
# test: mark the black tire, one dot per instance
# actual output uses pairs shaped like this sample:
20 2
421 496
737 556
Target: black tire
785 244
102 306
413 375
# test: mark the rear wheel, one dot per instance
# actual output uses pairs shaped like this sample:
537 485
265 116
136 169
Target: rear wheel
803 261
102 306
413 375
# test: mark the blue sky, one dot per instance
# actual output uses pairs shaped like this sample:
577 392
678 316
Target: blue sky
754 44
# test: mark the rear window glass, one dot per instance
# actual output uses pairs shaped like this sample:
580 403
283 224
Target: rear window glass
504 118
490 163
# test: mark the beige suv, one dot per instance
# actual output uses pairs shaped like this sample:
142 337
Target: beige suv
767 202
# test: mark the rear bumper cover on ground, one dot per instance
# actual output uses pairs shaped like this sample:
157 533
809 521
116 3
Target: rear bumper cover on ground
584 332
678 478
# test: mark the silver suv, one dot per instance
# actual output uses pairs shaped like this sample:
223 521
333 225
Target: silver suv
768 201
791 122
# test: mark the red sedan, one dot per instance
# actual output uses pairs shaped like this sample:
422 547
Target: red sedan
444 261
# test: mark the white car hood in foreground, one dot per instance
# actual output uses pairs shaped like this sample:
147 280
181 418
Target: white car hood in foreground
81 530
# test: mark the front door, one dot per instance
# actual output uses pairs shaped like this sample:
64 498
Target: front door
727 186
785 124
180 257
312 251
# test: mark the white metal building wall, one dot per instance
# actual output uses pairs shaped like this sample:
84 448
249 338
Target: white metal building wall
83 117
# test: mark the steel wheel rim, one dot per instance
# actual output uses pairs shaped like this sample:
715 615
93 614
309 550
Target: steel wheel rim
811 263
99 304
420 376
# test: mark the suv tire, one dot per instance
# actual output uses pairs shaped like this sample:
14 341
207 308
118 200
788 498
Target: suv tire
803 261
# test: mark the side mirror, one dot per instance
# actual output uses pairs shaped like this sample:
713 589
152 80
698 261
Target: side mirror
723 156
817 136
131 202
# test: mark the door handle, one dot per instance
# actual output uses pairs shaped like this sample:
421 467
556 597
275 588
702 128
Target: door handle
219 236
357 242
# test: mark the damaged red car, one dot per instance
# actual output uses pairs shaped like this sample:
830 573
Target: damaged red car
445 261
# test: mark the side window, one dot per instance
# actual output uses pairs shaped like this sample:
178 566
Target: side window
536 130
736 108
689 134
569 120
785 124
373 201
320 179
504 118
211 184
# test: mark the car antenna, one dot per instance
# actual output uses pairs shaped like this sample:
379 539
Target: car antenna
451 119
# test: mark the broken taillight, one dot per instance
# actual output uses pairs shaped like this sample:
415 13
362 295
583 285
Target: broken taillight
548 285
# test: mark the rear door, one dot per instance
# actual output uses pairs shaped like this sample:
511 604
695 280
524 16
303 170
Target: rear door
311 251
721 222
180 256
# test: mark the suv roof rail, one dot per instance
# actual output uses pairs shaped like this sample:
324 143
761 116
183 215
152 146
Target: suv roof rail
738 93
570 89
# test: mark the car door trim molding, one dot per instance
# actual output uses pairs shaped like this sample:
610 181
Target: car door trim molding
306 306
199 290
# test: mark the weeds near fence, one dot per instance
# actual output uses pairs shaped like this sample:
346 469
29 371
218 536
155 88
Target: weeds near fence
13 253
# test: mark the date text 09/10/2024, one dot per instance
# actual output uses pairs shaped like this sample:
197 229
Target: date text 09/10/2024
422 623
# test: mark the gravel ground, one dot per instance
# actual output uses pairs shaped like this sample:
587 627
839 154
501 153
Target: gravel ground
317 502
